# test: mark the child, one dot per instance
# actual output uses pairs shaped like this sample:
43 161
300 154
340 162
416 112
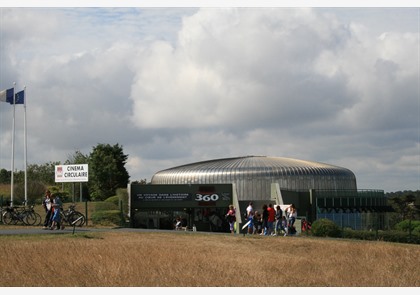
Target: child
257 223
306 225
284 224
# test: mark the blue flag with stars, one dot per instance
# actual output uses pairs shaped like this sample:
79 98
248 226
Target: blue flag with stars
20 97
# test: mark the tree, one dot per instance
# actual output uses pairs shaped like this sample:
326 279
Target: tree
77 158
107 171
5 176
36 191
404 206
141 181
38 178
44 173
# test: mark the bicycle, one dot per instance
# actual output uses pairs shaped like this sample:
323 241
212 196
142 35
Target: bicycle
20 214
38 217
72 217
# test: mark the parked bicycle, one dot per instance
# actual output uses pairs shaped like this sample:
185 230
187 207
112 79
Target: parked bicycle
20 214
72 217
38 217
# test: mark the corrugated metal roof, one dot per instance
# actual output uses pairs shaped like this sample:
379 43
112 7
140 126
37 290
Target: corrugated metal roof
254 175
254 165
258 164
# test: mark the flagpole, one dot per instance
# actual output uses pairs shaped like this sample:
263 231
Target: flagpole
13 147
25 143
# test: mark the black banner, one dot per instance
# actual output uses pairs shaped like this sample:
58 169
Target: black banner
170 197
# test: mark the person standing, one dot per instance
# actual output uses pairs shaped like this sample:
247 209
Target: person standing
56 218
178 223
270 219
279 215
264 220
231 218
47 204
249 217
292 213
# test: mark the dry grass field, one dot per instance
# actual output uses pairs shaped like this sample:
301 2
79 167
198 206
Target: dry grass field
178 259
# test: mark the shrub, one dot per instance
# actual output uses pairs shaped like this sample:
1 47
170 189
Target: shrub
405 225
396 236
325 228
115 200
101 206
348 233
107 217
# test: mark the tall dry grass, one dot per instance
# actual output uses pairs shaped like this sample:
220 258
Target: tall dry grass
144 259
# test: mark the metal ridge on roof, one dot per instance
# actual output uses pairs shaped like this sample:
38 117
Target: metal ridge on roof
259 164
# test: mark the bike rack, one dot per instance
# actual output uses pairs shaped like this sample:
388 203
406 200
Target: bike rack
74 223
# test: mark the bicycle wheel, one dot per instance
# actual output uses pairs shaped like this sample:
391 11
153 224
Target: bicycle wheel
63 217
76 217
38 220
29 218
8 218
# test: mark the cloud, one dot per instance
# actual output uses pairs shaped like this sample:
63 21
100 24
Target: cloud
245 68
259 71
175 86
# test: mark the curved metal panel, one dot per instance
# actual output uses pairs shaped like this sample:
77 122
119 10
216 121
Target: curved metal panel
253 175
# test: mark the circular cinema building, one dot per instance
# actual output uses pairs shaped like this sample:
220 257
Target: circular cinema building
199 192
254 176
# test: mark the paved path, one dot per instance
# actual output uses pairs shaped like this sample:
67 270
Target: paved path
39 230
4 230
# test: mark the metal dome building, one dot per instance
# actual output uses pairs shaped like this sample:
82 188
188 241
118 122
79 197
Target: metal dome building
253 176
201 190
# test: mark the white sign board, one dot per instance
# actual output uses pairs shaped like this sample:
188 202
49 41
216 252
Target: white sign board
71 173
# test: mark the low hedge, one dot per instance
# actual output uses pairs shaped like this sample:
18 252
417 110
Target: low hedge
380 235
114 200
107 217
327 228
105 206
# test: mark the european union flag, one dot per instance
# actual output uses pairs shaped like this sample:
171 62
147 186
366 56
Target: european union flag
19 97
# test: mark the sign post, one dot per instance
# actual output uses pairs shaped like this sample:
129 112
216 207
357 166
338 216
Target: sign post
72 173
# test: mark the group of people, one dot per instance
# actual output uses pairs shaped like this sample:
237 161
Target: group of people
271 221
52 205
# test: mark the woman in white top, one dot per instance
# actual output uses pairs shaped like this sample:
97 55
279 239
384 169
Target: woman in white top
292 214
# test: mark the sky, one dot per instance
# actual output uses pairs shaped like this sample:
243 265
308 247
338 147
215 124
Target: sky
176 85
